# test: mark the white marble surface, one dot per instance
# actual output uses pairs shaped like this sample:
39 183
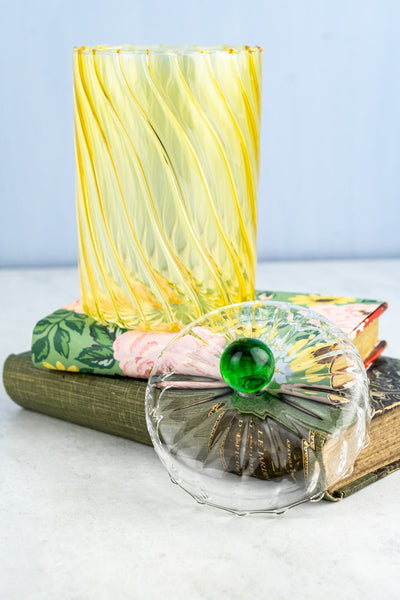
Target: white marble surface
86 515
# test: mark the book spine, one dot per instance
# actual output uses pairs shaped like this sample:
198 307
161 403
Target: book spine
116 405
116 408
351 488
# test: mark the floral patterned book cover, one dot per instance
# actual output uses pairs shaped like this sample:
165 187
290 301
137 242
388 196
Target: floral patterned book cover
68 339
350 314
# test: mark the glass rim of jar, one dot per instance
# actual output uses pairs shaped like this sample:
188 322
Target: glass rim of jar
164 49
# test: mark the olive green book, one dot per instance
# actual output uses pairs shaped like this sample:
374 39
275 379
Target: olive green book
115 405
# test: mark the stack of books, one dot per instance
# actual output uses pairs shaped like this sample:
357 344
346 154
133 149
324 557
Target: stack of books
91 374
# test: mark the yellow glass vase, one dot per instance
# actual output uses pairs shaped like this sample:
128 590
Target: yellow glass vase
167 154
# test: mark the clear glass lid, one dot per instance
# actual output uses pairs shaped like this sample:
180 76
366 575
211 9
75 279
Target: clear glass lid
257 407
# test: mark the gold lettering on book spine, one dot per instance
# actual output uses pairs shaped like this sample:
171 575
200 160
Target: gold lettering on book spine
292 470
222 450
261 454
214 429
251 442
215 408
238 439
307 445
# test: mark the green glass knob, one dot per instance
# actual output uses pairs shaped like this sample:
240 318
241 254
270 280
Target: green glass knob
247 365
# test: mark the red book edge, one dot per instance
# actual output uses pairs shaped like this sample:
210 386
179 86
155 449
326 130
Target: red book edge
371 317
375 353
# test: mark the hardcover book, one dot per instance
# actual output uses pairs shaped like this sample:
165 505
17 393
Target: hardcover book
116 405
382 455
68 339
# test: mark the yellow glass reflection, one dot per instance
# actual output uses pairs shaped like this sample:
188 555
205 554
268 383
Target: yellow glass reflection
167 154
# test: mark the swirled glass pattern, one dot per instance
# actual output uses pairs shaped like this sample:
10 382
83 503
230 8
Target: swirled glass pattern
167 155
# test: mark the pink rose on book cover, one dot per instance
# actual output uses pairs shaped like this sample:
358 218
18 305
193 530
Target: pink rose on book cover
192 355
347 317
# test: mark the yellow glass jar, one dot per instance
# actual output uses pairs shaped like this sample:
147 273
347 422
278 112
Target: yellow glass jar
167 155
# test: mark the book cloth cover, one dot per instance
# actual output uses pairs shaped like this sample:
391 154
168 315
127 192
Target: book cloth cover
116 405
68 339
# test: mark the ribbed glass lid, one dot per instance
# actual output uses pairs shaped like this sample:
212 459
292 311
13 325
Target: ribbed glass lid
259 406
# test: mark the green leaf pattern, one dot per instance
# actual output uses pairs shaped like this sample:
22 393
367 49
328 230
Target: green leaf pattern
61 341
40 349
76 325
97 356
70 340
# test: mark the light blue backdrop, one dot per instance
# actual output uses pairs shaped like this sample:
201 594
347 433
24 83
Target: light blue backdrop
331 117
